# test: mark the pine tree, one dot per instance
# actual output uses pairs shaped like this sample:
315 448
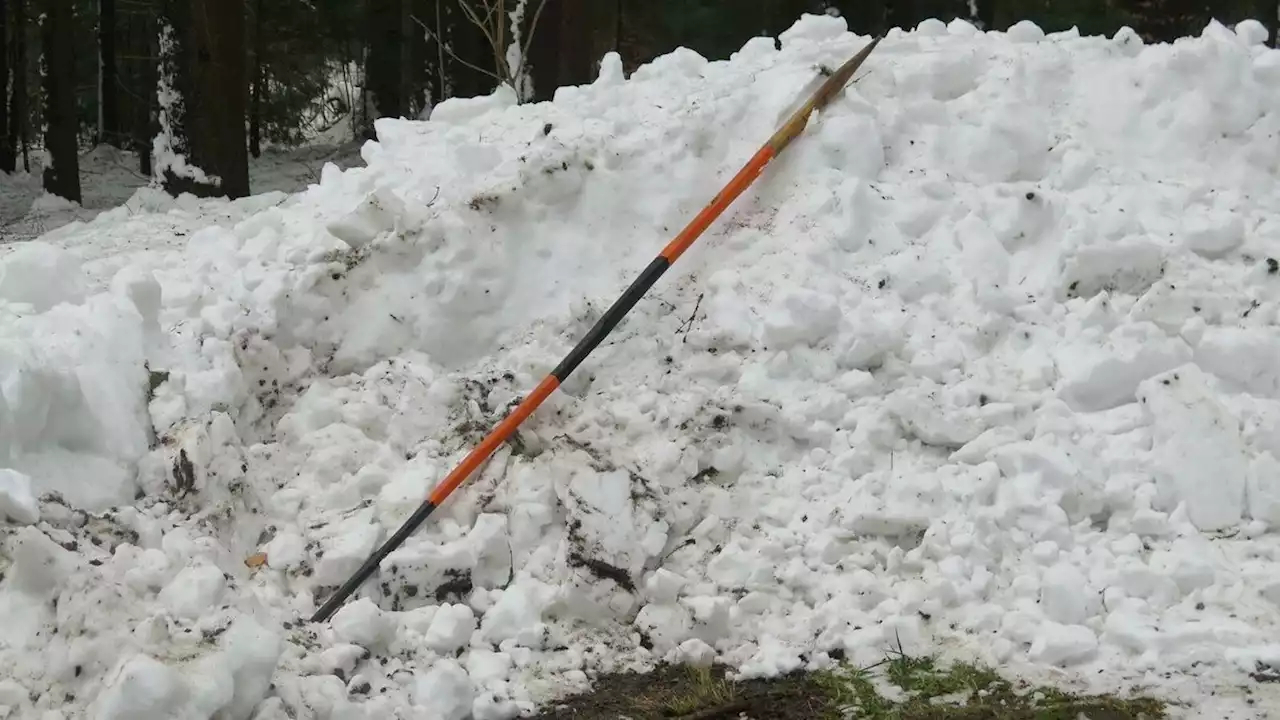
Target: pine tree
202 97
109 128
62 169
18 124
173 87
384 28
218 41
7 159
258 80
1168 20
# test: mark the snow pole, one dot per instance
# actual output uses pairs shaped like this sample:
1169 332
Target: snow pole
789 131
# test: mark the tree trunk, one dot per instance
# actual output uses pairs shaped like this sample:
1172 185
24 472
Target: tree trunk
420 70
259 79
1167 20
606 15
468 42
987 14
407 74
62 173
1265 12
639 33
173 86
576 63
7 159
18 90
204 107
109 130
544 52
429 26
782 14
382 61
136 23
865 17
902 14
218 78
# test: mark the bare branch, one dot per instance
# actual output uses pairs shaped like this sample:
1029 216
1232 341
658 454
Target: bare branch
475 19
443 48
533 27
486 27
490 17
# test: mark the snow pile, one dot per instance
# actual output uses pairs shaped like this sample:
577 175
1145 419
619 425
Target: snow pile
983 364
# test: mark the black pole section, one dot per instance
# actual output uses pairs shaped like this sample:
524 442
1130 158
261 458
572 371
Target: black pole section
611 318
341 594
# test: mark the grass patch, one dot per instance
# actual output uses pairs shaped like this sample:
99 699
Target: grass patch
899 688
921 690
705 690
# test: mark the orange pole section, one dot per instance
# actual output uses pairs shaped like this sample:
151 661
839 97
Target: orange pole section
496 437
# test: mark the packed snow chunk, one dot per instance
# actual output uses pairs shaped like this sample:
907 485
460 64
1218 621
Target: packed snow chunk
445 691
1025 31
248 661
980 448
1126 266
1001 149
931 27
868 334
413 575
1263 489
667 625
1063 645
75 389
286 550
1058 473
7 431
1243 357
517 615
41 275
1101 376
461 110
17 503
1065 595
142 689
962 28
863 159
450 629
491 547
937 416
1190 562
378 213
361 623
612 72
1199 454
1128 41
1252 32
613 516
194 591
811 28
350 544
40 566
801 317
1213 234
13 699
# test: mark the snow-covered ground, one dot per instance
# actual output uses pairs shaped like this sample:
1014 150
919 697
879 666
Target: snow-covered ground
987 365
109 178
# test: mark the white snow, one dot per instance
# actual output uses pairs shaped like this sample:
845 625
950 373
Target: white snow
16 501
985 365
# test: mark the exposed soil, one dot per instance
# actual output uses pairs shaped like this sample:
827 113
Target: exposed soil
921 691
679 693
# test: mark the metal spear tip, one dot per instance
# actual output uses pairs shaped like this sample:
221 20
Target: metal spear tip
820 98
